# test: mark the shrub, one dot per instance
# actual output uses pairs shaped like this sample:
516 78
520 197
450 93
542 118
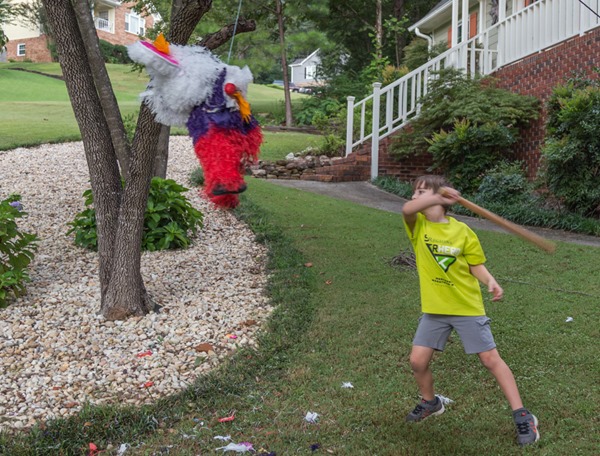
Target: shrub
169 222
114 53
505 183
571 155
465 153
17 250
452 96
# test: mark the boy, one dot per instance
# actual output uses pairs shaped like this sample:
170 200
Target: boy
450 264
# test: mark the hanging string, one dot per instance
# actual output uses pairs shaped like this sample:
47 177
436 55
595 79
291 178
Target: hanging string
234 30
590 8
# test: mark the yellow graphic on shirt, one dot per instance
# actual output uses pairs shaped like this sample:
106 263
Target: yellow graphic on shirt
444 255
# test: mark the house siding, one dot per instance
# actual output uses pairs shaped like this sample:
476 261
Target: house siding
36 46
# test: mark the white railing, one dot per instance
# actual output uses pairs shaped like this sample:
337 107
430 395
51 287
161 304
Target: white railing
541 25
103 24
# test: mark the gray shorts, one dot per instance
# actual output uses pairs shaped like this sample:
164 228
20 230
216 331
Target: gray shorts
475 333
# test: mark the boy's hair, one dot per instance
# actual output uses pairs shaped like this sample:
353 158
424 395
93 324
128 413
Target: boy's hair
433 182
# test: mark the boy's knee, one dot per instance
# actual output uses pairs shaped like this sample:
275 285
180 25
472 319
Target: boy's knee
418 363
490 359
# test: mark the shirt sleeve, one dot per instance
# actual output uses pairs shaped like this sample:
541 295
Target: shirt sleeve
418 227
473 252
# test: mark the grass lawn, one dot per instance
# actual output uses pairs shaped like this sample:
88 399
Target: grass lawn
33 107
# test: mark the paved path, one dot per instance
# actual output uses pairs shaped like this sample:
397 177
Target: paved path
367 194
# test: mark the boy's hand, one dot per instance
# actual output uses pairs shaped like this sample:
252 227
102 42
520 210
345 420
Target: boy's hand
449 195
495 289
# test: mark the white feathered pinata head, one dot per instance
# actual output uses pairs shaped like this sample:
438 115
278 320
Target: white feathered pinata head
183 77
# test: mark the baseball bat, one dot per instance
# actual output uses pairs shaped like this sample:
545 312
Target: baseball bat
535 239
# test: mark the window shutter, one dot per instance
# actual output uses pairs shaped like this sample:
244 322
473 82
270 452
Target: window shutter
449 37
473 24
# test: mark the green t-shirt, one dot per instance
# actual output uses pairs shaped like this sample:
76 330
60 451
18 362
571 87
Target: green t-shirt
444 252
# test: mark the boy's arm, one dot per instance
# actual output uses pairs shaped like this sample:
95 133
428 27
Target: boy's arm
413 207
483 275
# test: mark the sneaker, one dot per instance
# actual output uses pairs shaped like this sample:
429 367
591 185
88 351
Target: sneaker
526 424
424 410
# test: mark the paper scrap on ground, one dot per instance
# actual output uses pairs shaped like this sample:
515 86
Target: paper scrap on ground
225 438
445 400
311 417
122 449
243 447
347 385
569 319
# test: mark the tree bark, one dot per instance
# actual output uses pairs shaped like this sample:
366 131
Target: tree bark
289 121
99 150
162 152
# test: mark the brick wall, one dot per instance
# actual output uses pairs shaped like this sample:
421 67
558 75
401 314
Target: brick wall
36 50
538 74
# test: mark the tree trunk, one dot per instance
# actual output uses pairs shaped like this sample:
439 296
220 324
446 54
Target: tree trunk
378 29
286 84
400 37
162 152
119 211
99 150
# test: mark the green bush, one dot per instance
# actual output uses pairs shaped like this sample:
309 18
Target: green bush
452 96
571 154
465 153
505 183
169 222
17 250
114 53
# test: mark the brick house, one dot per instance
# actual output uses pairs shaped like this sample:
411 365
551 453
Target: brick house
115 22
530 46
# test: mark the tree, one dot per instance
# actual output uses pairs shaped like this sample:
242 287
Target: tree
119 209
6 16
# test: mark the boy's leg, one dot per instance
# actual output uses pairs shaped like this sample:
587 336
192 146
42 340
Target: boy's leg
420 358
429 405
525 422
495 364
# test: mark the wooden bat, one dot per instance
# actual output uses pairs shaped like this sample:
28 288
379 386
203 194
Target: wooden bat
542 243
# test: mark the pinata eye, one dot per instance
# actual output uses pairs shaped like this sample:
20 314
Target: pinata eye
230 88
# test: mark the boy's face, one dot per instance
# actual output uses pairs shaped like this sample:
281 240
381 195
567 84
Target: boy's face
422 190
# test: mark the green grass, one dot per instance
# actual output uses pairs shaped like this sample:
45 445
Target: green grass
350 318
277 145
33 107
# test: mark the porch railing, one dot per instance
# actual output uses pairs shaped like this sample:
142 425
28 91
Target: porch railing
541 25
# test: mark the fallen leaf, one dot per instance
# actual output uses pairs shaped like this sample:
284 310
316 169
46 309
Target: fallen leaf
204 348
328 282
71 405
308 265
248 323
87 424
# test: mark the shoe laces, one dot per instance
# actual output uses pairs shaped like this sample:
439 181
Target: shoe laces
523 427
418 409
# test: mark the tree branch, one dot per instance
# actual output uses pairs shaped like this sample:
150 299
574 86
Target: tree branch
214 40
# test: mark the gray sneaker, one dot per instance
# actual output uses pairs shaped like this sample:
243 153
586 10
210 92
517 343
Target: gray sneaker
527 427
424 410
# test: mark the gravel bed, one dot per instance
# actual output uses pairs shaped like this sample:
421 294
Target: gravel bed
57 352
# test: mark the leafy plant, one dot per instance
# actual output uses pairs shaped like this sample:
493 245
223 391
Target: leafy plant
197 177
571 155
505 183
452 96
465 153
17 250
169 222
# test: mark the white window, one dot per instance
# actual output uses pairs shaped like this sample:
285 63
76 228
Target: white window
21 49
134 24
310 72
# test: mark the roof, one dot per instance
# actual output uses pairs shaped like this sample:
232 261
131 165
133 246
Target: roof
434 17
302 61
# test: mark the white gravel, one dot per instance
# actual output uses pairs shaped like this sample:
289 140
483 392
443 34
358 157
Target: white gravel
57 352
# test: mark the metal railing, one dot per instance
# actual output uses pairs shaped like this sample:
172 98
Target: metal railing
541 25
103 24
